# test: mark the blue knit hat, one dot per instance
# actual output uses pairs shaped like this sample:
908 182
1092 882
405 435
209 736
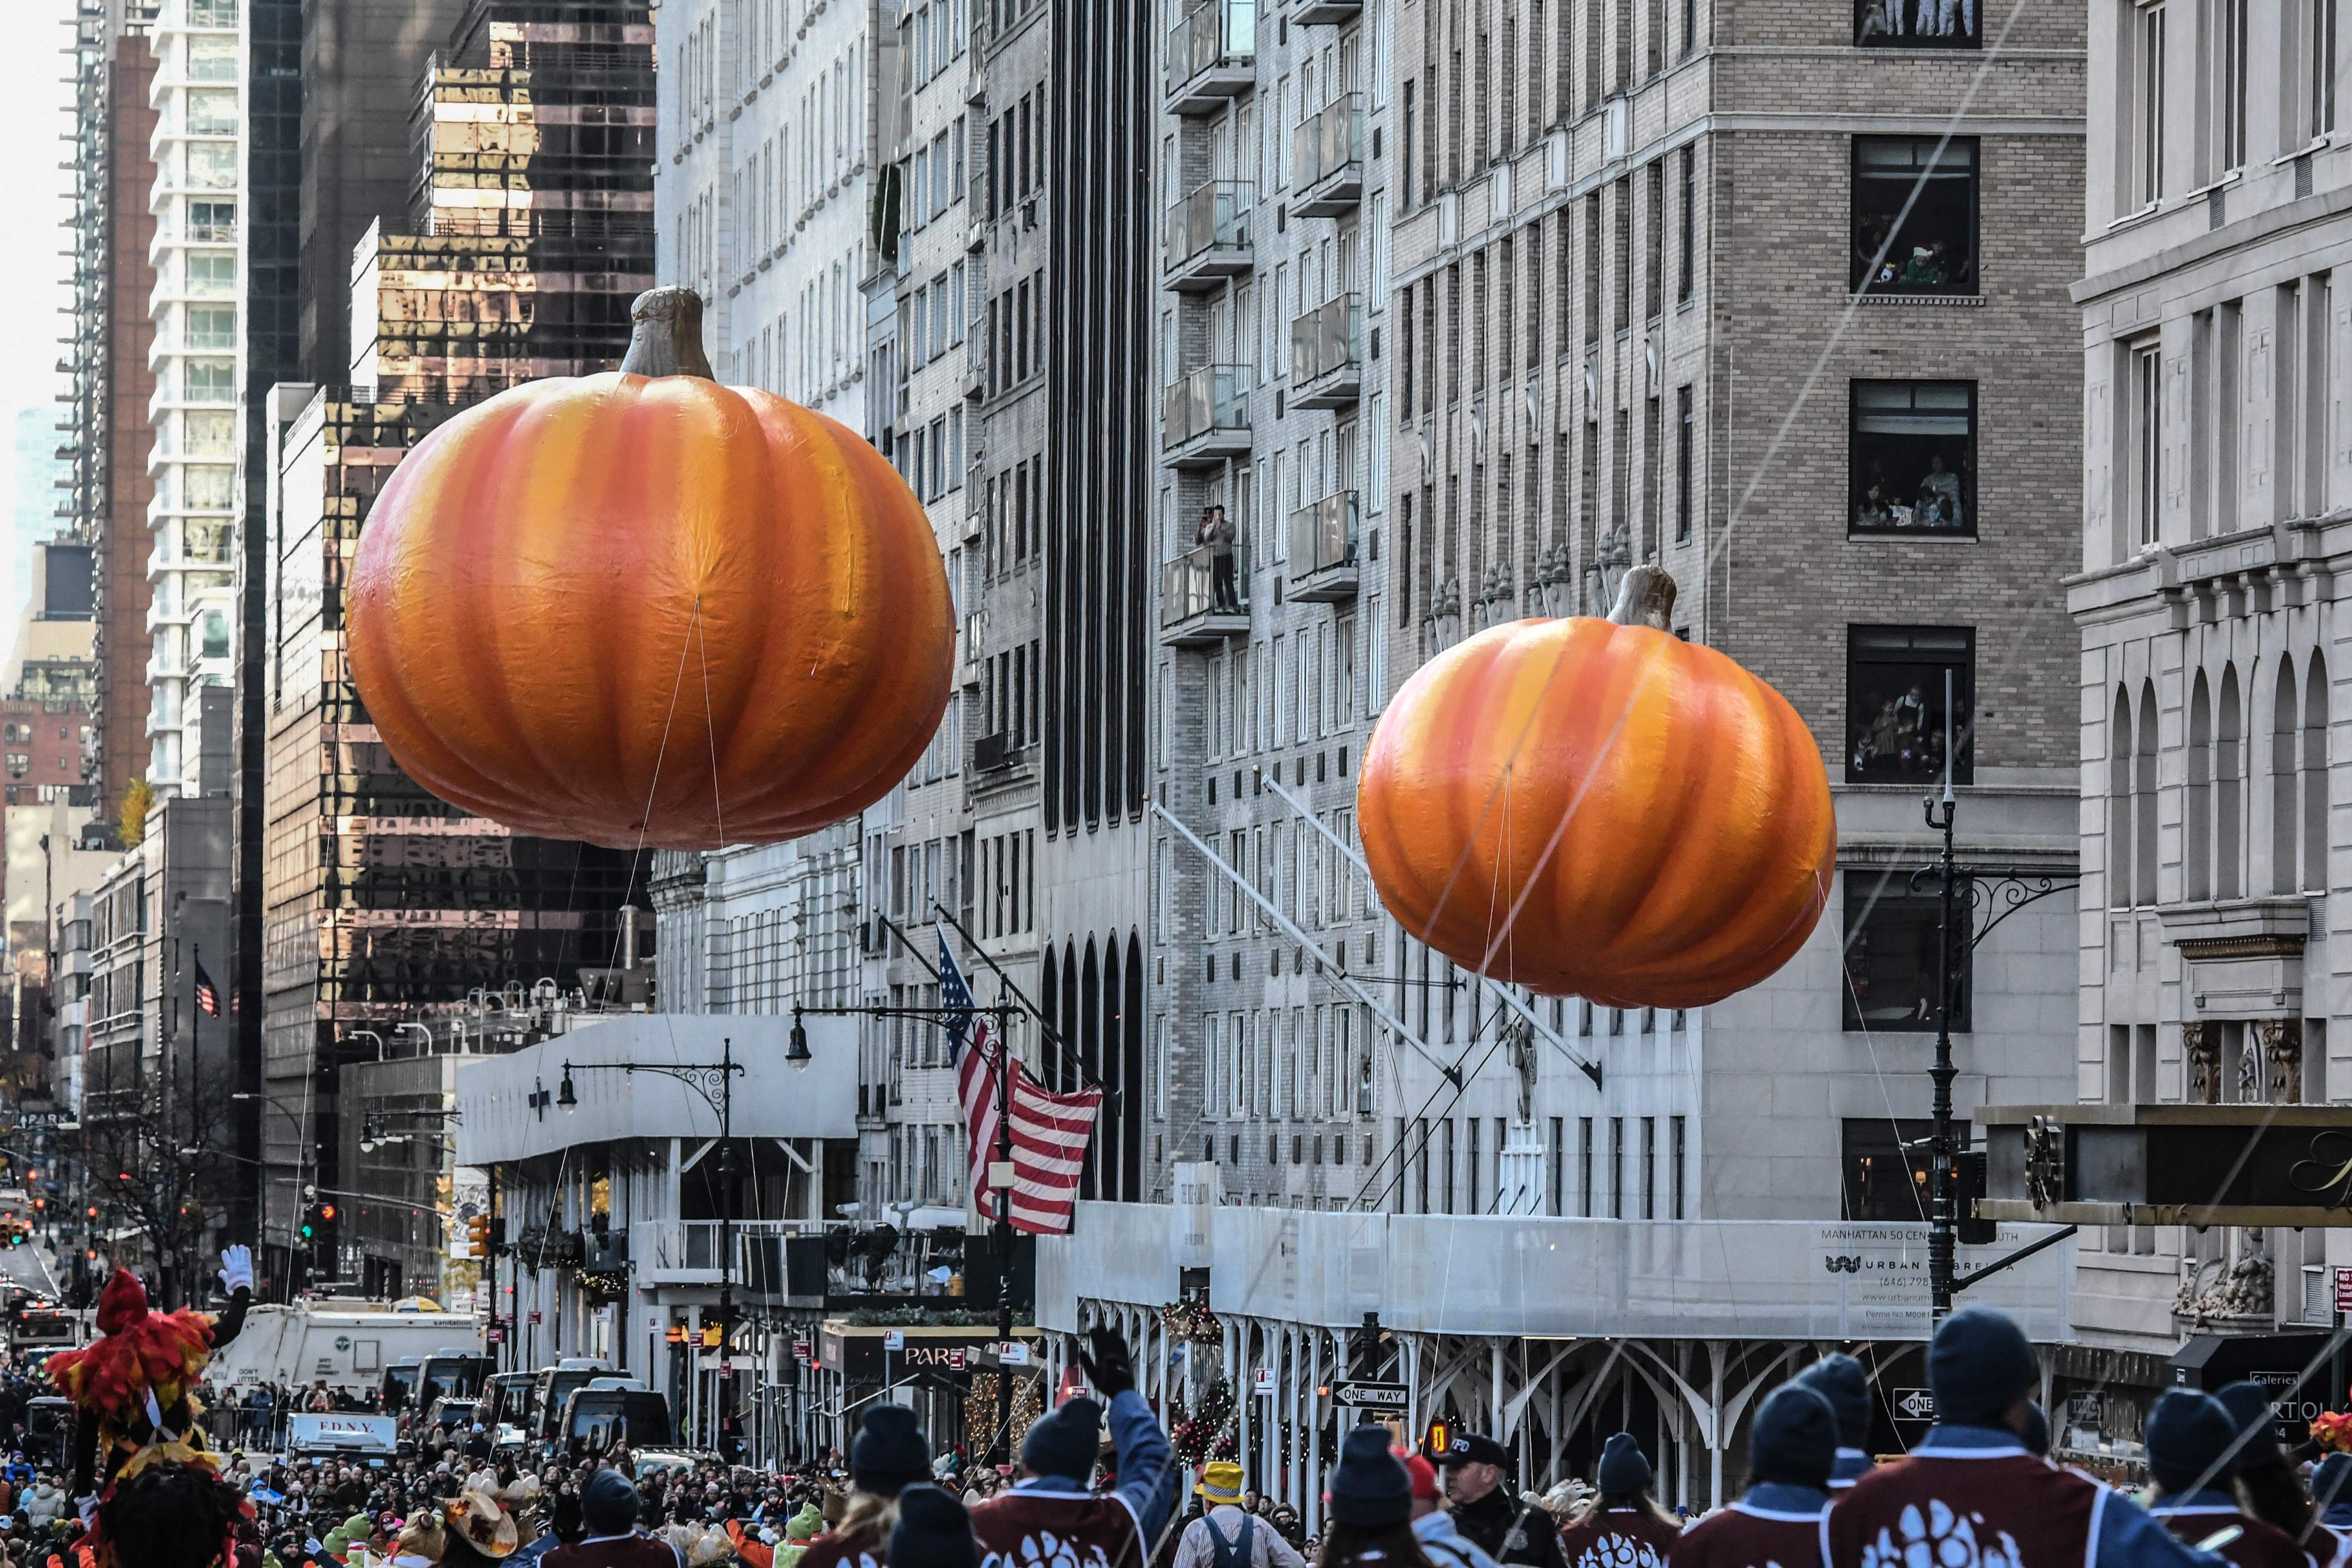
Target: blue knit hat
1623 1467
1370 1488
933 1530
1794 1438
889 1450
1978 1365
2249 1404
2188 1438
1066 1441
2331 1483
1840 1379
608 1504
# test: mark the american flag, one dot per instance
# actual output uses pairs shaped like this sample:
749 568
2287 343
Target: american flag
208 993
975 1070
1050 1132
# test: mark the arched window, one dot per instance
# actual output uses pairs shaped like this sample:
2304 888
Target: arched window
2119 803
2144 802
2286 814
2229 793
2196 872
2315 776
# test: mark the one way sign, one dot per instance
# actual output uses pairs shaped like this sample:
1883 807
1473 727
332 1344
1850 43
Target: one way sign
1362 1395
1915 1404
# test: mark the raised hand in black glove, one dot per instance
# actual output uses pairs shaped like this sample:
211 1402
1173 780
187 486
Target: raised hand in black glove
1106 1363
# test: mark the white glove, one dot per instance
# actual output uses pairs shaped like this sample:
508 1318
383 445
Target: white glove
237 1268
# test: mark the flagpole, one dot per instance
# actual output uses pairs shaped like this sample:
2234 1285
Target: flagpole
1003 1194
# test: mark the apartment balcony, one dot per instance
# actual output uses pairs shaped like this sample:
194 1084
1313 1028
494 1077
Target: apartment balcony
1323 543
1208 242
1327 159
1196 610
1001 753
1211 55
1326 369
1205 418
1326 13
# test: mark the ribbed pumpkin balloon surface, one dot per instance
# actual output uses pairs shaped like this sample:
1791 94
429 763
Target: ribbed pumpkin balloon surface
1659 818
631 608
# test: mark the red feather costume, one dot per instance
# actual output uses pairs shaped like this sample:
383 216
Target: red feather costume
135 1387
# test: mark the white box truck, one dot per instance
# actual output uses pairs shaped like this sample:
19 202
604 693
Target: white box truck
348 1345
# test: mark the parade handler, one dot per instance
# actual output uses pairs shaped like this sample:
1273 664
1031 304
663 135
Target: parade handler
1051 1519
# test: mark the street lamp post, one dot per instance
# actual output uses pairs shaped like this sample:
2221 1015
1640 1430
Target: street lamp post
715 1082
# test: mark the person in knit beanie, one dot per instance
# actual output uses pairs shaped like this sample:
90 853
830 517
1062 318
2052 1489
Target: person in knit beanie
1970 1491
933 1530
2331 1496
1621 1523
1792 1446
1840 1380
1119 1528
1369 1506
2192 1445
889 1454
2272 1492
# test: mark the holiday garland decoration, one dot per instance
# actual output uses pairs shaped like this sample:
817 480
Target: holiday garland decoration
1209 1432
1188 1320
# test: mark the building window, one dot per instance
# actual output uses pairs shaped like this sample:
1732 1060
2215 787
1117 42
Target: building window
1913 450
1896 678
2146 140
2147 478
1918 24
2319 60
2228 40
1884 1166
1683 432
1915 214
1890 955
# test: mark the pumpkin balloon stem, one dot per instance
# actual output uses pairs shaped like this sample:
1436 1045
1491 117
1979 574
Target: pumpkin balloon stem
1646 598
666 337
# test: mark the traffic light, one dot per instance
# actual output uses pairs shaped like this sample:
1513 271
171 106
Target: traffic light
478 1236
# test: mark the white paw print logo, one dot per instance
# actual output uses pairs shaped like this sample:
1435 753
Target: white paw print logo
1047 1550
1616 1552
1941 1539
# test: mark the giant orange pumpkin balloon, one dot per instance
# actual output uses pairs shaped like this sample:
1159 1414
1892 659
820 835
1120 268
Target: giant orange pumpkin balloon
1598 808
644 607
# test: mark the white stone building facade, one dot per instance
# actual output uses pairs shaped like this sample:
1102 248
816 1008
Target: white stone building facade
2217 478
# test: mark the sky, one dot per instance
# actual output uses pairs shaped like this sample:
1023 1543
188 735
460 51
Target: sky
36 280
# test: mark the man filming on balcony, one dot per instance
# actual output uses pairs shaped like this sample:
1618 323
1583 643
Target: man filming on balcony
1216 532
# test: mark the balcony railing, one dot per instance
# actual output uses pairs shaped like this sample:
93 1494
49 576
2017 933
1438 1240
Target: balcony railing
1208 235
1205 417
686 1252
997 753
1201 601
1327 159
1325 359
1323 543
1211 55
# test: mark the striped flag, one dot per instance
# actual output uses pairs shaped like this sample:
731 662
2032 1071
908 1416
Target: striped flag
208 993
1050 1131
975 1070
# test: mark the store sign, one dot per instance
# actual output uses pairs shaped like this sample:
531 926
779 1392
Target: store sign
859 1356
2087 1411
2343 1290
